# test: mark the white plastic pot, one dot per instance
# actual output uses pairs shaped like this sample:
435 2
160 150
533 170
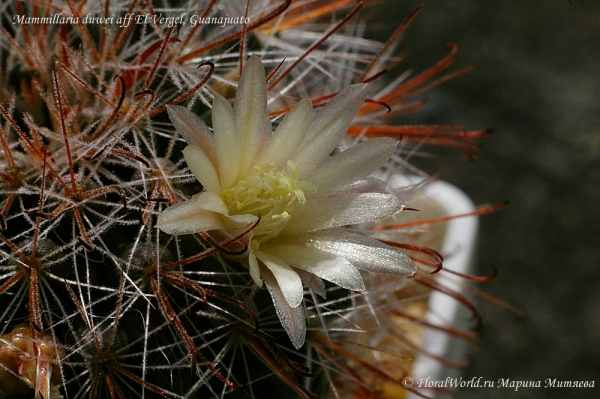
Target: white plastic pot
458 246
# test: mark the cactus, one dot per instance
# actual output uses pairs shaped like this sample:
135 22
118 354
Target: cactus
96 301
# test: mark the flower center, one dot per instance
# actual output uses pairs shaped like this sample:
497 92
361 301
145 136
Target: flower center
271 195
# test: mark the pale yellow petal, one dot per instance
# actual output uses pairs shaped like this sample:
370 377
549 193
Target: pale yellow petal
352 164
253 267
250 107
212 201
289 134
227 141
187 218
328 129
292 319
335 269
363 252
193 129
202 168
287 279
341 210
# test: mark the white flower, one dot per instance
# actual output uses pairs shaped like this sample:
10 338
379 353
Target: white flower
290 184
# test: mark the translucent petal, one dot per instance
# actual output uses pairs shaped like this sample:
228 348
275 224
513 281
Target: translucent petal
355 163
253 267
288 280
313 282
250 107
238 221
328 129
211 201
368 185
363 252
202 167
335 269
193 129
187 218
227 141
289 134
292 319
342 210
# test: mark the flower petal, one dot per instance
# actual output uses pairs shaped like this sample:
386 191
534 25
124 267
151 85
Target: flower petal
227 141
363 252
289 134
201 213
193 130
355 163
250 107
342 210
202 167
211 201
287 279
332 268
313 282
238 221
253 267
187 218
367 185
292 319
328 128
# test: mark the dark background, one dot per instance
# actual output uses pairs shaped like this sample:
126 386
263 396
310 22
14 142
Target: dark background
538 88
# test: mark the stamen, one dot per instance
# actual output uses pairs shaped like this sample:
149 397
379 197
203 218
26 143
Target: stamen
271 195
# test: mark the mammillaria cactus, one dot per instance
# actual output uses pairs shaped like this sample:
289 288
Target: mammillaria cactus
121 234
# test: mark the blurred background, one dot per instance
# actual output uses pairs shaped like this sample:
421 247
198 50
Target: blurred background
537 88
